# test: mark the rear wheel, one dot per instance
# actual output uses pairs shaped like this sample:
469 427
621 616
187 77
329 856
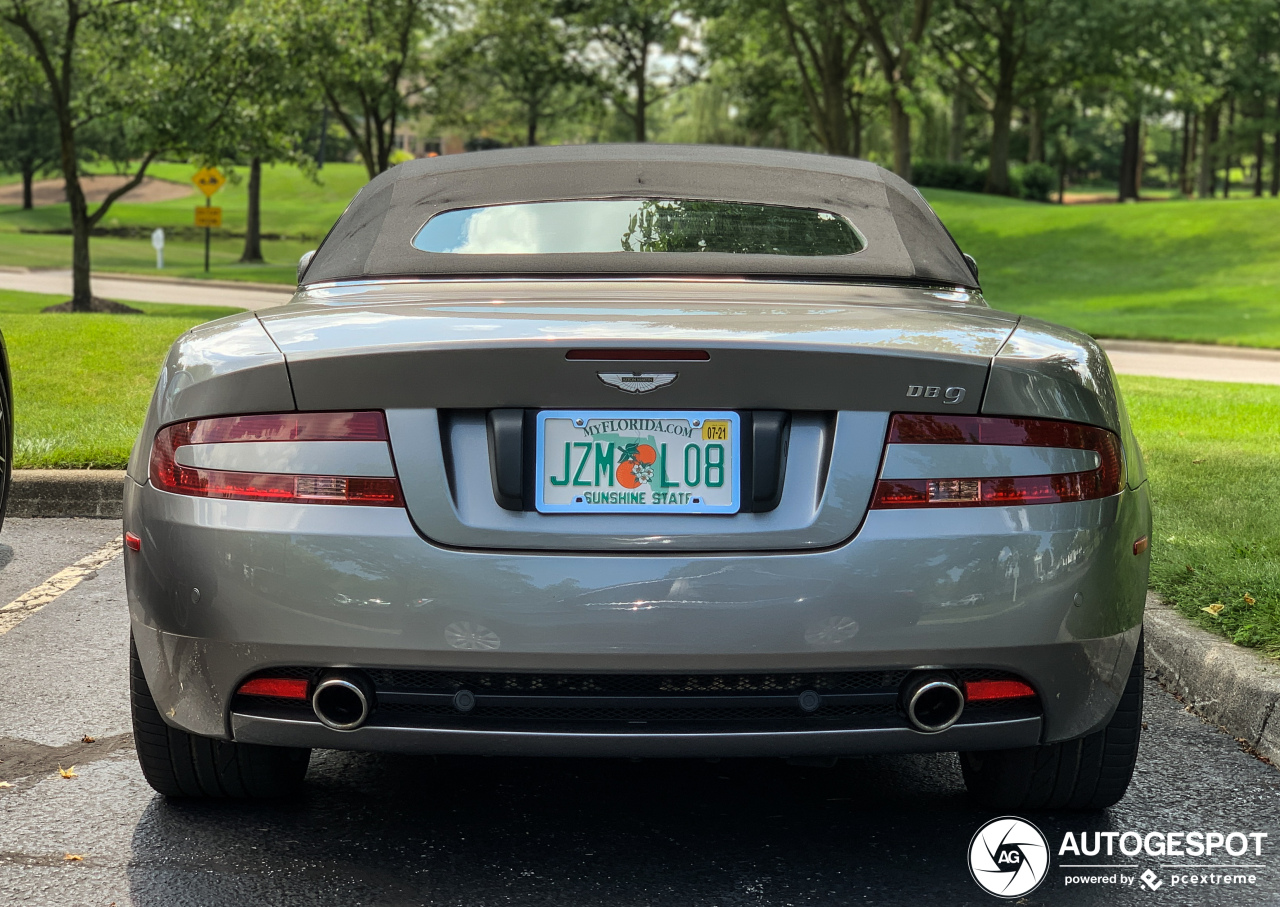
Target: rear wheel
1092 772
178 764
6 439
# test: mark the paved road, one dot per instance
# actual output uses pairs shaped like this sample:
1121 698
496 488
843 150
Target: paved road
124 289
396 830
1196 361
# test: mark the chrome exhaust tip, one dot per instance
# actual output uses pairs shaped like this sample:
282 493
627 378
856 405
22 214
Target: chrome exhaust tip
342 701
933 702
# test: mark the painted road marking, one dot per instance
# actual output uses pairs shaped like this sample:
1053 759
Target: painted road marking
63 581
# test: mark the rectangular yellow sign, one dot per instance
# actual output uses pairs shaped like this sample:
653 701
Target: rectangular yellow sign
208 216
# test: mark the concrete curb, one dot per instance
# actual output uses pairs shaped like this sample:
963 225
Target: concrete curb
1230 686
67 492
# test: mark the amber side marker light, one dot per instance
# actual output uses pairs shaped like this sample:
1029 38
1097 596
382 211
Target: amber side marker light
988 690
275 687
1141 545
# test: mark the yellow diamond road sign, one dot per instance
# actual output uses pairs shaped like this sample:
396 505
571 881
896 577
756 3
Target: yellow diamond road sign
209 180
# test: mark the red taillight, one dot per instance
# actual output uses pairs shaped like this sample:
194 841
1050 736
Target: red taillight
275 687
169 475
986 690
1001 491
132 542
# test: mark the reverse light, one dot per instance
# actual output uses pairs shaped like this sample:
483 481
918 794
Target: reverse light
169 475
1001 491
275 687
990 690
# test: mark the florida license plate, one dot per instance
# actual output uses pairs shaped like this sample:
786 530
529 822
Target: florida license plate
638 462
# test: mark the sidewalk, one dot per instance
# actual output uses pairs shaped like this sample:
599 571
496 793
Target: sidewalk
152 289
1196 361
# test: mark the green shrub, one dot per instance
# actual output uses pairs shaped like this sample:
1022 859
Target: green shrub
1037 181
944 175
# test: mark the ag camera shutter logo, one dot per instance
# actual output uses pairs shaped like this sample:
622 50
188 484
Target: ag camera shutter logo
1008 857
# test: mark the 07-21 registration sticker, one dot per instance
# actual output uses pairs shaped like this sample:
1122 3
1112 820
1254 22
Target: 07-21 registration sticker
638 462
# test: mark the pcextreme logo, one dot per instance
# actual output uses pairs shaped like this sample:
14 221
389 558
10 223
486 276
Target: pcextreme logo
1009 857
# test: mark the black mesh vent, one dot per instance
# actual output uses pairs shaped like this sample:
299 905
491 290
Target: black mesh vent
636 684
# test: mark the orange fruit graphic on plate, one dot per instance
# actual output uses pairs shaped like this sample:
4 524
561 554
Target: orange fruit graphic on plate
636 466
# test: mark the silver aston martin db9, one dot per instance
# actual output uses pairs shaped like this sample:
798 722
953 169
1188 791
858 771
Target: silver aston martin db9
638 451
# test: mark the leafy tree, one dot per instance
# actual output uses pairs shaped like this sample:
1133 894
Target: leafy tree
1007 52
28 131
895 30
623 38
270 116
369 59
155 72
526 48
826 54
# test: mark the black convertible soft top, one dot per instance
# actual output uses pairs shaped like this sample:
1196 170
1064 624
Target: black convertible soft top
905 241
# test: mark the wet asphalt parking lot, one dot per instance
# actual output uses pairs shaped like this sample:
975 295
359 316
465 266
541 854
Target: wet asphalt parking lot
396 830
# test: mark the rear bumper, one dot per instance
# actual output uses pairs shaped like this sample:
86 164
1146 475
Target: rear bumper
987 736
1052 593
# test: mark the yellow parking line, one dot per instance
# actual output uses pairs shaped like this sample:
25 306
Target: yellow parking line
64 580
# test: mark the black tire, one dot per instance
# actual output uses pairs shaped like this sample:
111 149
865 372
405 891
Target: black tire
1092 772
6 431
178 764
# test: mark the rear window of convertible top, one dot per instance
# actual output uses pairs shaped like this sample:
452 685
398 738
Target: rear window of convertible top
638 225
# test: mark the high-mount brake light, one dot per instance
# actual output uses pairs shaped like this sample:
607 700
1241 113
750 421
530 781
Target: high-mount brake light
169 475
1001 491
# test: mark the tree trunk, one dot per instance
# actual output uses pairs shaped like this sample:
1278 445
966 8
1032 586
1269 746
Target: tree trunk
855 126
1140 161
1208 138
1186 159
642 95
1001 126
531 127
959 113
324 136
81 290
1062 179
1035 136
28 177
1231 135
1275 158
900 127
1259 152
1129 160
253 222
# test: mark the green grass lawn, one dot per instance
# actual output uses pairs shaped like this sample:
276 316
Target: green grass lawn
1213 457
1205 271
296 209
81 383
